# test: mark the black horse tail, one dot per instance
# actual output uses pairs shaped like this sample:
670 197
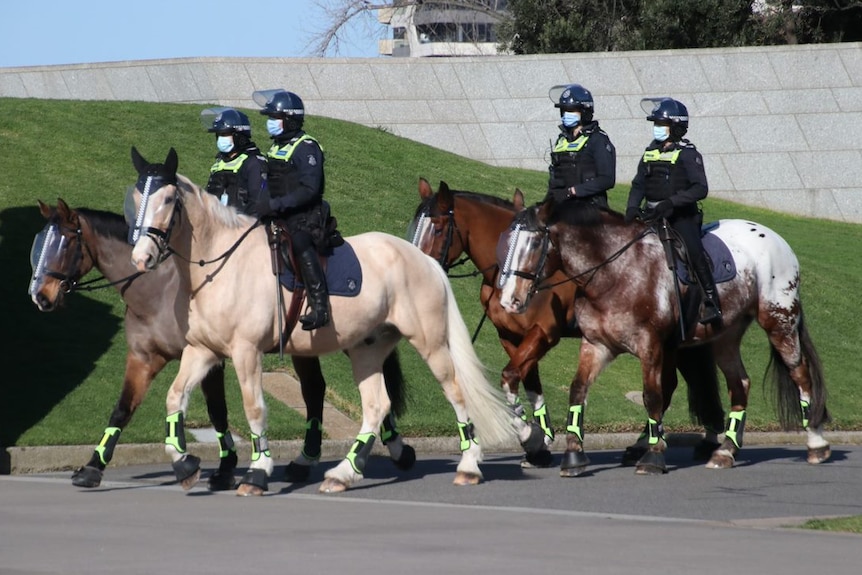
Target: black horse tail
789 410
393 377
697 366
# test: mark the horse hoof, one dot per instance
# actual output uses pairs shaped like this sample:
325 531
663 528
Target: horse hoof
331 485
632 455
407 459
463 478
539 459
536 441
87 476
818 455
704 449
652 463
247 490
297 473
191 480
221 480
721 459
573 471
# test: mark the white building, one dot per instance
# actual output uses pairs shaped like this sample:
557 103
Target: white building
440 29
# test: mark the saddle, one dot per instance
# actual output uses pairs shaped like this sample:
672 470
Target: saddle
339 262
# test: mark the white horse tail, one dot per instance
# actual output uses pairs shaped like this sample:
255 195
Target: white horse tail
485 402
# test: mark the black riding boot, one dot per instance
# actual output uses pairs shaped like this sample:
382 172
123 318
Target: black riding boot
316 292
711 306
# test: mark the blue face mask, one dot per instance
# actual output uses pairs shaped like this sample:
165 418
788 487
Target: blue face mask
274 126
660 133
224 144
571 119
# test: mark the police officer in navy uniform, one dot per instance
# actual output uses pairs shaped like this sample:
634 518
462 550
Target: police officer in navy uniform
238 176
583 160
296 184
672 180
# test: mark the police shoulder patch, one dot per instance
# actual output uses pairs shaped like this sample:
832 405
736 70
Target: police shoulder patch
312 161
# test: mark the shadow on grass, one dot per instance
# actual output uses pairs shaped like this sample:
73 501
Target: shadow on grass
45 355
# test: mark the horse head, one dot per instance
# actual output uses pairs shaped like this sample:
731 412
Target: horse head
150 209
525 256
57 256
433 229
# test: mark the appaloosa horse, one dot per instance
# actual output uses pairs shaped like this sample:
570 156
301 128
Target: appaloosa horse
454 223
75 241
234 313
628 304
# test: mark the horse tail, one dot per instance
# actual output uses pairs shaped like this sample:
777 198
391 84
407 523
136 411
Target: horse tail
485 402
697 366
393 377
788 392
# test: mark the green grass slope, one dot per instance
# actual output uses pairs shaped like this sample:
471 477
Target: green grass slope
62 371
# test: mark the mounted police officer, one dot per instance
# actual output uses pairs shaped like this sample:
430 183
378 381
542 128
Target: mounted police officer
672 180
238 176
296 185
583 160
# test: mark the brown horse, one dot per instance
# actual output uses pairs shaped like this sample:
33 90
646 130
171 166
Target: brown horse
234 313
628 303
75 241
452 223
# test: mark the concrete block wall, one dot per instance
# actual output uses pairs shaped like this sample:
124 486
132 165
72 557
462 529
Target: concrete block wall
779 127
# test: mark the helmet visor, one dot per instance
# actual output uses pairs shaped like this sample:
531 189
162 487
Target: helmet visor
264 97
651 105
209 117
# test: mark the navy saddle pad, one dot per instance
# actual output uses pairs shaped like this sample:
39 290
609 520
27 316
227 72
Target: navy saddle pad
723 266
343 273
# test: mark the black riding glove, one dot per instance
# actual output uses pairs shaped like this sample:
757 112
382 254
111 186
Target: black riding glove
663 209
262 207
632 212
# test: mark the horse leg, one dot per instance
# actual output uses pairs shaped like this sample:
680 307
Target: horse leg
653 365
247 361
798 375
212 387
140 372
313 387
367 364
401 454
669 382
194 365
697 366
592 360
729 360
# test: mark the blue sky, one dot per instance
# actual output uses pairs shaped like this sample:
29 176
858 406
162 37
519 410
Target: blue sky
37 33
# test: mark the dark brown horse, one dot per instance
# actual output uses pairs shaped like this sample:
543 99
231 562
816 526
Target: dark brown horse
451 224
75 241
627 303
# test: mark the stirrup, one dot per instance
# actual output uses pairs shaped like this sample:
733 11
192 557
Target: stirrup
313 321
711 314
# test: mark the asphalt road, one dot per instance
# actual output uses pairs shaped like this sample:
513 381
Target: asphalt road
692 520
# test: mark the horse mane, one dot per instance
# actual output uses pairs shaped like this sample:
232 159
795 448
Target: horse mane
106 224
486 199
225 215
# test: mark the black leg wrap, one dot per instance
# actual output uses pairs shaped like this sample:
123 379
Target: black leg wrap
574 463
186 467
652 463
222 479
255 478
388 431
313 440
87 476
541 459
359 452
407 459
536 441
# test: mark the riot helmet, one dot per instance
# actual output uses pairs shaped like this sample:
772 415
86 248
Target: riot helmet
226 121
669 112
283 105
573 98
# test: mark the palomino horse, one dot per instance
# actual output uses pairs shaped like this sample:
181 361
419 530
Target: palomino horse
453 223
628 303
233 312
75 241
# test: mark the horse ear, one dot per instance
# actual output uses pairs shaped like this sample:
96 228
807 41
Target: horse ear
425 191
172 162
518 199
63 209
138 161
545 210
444 196
45 210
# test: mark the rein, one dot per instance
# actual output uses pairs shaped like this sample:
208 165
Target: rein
451 229
225 255
596 267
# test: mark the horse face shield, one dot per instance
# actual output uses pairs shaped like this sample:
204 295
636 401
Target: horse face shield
429 235
521 255
149 209
52 258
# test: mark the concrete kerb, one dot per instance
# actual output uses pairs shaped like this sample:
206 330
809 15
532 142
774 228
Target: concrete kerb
23 460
